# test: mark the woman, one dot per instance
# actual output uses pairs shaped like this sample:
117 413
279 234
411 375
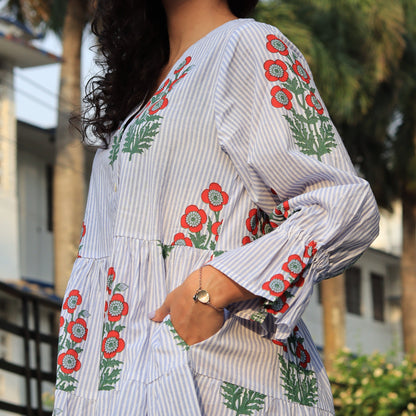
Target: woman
214 136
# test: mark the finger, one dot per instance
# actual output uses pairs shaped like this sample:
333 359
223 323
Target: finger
160 313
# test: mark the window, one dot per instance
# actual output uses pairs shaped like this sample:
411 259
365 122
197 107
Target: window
353 290
377 290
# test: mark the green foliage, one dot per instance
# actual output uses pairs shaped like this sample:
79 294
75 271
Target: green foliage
242 401
374 385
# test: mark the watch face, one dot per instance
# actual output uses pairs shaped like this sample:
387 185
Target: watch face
203 296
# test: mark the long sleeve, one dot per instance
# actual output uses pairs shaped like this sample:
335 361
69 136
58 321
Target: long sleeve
273 125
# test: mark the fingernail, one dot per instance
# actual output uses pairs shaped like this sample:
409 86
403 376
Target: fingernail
151 315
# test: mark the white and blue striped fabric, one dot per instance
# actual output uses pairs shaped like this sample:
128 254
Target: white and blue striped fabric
234 162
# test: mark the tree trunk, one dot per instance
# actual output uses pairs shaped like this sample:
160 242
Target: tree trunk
333 305
69 179
408 274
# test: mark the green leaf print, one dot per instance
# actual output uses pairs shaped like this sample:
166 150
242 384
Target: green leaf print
166 249
179 341
115 149
243 401
140 134
299 383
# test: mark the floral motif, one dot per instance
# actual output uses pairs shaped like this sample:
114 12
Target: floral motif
215 197
68 362
246 240
142 131
276 70
180 240
312 131
203 229
310 250
216 229
279 305
303 355
252 221
73 333
313 102
301 71
83 231
257 224
112 344
299 382
281 97
294 265
194 219
276 45
242 400
182 65
277 285
78 330
111 275
280 343
117 307
72 301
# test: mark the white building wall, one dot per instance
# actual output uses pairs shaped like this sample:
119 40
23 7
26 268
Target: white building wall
364 334
9 252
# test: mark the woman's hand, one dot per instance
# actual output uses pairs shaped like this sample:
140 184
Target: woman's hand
195 321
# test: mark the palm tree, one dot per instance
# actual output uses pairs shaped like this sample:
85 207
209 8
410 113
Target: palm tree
68 18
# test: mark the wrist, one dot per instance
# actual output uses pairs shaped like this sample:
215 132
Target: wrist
222 289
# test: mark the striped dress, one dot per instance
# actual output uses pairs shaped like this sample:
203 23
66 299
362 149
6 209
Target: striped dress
234 162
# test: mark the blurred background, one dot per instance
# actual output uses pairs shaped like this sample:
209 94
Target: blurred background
363 57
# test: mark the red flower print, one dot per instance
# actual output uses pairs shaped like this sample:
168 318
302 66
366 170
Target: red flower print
313 102
193 219
301 72
215 197
281 97
216 229
61 321
183 64
310 250
294 265
246 240
303 355
275 44
117 307
162 88
276 70
277 285
110 279
158 105
282 209
78 330
252 221
84 229
180 240
69 361
112 344
72 301
282 344
279 305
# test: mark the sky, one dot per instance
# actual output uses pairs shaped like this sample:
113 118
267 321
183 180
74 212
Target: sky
37 89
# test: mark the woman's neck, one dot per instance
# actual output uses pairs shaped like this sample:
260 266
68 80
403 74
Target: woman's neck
190 20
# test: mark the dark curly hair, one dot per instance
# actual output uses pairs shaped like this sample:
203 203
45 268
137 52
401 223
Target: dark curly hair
133 47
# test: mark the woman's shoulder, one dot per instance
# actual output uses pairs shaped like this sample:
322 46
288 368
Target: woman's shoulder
253 37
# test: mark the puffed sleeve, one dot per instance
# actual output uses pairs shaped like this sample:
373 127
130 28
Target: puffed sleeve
273 125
